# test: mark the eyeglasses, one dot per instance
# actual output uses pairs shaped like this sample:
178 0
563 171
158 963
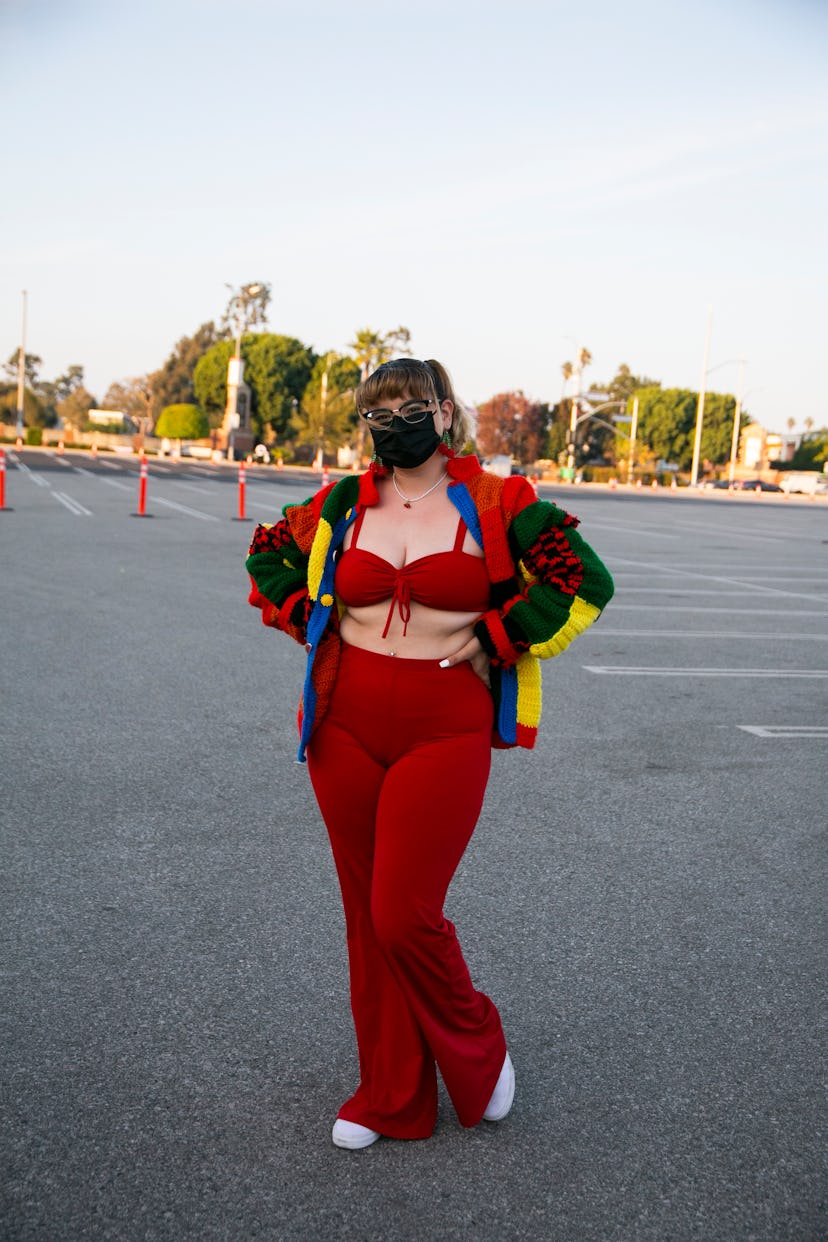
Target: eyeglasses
411 412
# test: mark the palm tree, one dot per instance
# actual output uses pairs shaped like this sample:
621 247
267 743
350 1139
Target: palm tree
371 349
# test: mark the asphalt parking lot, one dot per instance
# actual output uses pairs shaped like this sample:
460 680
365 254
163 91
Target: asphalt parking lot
644 897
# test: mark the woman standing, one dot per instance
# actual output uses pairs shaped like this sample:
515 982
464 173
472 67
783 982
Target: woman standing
425 591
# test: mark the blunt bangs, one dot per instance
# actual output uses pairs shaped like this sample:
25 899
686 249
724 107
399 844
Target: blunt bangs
400 378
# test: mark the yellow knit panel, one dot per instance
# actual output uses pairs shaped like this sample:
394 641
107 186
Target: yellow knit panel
318 553
529 690
581 616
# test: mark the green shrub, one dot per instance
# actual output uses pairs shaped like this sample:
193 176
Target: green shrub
34 436
603 474
182 422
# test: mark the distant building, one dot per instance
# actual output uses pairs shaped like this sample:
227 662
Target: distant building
758 448
112 420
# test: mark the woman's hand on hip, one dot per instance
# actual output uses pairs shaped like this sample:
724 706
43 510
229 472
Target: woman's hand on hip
476 656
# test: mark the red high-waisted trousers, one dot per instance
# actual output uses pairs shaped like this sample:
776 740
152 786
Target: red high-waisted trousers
399 766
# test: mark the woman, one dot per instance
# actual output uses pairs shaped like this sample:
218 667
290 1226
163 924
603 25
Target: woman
425 590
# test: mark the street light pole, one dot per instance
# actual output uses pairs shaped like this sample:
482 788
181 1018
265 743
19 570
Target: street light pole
21 373
694 473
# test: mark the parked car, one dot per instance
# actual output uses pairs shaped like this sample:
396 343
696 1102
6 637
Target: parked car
744 485
756 485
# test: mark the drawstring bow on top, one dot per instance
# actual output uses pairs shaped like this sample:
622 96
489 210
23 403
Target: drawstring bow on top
401 599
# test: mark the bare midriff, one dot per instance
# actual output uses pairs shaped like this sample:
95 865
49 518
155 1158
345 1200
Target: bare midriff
432 633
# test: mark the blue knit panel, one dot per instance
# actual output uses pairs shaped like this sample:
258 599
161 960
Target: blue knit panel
459 496
317 623
507 716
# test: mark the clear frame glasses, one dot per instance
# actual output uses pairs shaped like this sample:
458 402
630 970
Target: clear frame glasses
411 412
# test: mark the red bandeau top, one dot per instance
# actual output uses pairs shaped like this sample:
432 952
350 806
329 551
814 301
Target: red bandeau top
452 581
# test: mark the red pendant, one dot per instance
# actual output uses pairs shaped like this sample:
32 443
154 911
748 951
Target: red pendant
407 504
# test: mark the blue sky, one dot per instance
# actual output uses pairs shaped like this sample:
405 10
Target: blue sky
508 181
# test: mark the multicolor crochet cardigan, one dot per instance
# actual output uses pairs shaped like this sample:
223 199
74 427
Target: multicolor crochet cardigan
547 585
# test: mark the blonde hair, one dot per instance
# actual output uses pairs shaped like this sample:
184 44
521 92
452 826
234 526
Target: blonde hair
428 380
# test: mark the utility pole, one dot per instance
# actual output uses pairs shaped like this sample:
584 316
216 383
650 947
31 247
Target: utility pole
581 359
323 403
633 431
737 415
21 373
694 473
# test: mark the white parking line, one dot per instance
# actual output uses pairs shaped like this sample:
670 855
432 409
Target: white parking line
737 532
272 508
172 504
621 588
124 487
786 731
35 478
730 612
74 506
625 580
647 531
669 572
601 632
622 670
197 487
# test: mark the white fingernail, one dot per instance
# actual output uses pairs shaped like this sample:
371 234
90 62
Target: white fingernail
445 664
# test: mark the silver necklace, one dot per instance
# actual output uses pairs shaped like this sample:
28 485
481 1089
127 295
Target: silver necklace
408 501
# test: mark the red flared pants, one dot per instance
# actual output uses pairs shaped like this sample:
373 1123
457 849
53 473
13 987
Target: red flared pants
399 766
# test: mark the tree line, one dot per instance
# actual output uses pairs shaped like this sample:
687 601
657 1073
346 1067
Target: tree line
302 401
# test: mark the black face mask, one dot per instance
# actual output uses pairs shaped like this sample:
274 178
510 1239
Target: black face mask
403 445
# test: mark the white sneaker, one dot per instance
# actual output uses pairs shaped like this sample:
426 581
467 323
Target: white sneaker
349 1134
503 1094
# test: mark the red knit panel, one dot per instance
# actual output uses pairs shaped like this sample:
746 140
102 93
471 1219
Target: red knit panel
495 545
506 653
255 598
526 736
488 492
517 495
284 614
325 665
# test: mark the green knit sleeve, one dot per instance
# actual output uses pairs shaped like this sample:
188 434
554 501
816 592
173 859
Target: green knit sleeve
560 588
278 572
